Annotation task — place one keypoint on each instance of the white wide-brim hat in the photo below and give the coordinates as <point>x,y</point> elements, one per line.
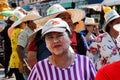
<point>16,23</point>
<point>90,21</point>
<point>56,9</point>
<point>19,21</point>
<point>109,16</point>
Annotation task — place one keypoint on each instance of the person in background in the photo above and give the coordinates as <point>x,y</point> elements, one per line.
<point>37,50</point>
<point>17,26</point>
<point>23,40</point>
<point>62,64</point>
<point>91,30</point>
<point>106,47</point>
<point>7,46</point>
<point>78,42</point>
<point>110,71</point>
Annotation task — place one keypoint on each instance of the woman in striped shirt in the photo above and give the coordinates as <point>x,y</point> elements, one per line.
<point>62,64</point>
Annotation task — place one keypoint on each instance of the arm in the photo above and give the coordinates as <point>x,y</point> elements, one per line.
<point>24,67</point>
<point>20,51</point>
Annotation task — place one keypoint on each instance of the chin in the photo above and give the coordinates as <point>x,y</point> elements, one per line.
<point>57,52</point>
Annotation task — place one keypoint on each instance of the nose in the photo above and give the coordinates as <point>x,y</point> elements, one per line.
<point>55,40</point>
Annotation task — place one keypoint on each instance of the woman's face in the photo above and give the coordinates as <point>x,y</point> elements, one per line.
<point>23,25</point>
<point>57,43</point>
<point>66,17</point>
<point>112,30</point>
<point>90,28</point>
<point>32,25</point>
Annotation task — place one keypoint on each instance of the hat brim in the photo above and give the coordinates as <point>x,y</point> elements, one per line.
<point>95,24</point>
<point>16,23</point>
<point>105,25</point>
<point>76,15</point>
<point>32,36</point>
<point>30,17</point>
<point>54,29</point>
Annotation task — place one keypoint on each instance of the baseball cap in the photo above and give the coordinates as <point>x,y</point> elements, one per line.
<point>55,25</point>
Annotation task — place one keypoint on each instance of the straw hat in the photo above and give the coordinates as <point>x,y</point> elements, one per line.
<point>90,21</point>
<point>53,11</point>
<point>31,16</point>
<point>33,35</point>
<point>109,16</point>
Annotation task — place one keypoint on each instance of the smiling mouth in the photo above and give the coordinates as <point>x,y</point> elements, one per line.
<point>56,46</point>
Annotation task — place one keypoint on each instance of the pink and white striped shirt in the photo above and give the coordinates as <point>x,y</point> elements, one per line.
<point>81,69</point>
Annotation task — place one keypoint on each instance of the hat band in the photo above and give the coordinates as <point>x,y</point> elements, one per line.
<point>110,18</point>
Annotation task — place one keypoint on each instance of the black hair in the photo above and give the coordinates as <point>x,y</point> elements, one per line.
<point>107,29</point>
<point>38,39</point>
<point>9,21</point>
<point>69,34</point>
<point>13,5</point>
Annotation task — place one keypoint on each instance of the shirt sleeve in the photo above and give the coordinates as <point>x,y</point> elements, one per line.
<point>31,46</point>
<point>23,39</point>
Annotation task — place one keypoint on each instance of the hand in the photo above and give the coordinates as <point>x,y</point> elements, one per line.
<point>96,30</point>
<point>88,36</point>
<point>23,68</point>
<point>26,70</point>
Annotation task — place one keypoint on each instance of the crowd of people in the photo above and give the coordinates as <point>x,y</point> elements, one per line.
<point>49,48</point>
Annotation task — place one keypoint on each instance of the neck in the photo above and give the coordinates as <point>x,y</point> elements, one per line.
<point>62,61</point>
<point>114,34</point>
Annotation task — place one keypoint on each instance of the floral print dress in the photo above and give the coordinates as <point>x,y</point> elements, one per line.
<point>14,59</point>
<point>104,50</point>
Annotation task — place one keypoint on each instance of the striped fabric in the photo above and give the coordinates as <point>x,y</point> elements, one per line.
<point>81,69</point>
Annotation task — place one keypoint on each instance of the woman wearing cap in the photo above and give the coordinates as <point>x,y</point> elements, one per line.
<point>91,30</point>
<point>78,42</point>
<point>62,64</point>
<point>106,47</point>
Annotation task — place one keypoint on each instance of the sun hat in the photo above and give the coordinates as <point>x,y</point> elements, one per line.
<point>117,27</point>
<point>33,35</point>
<point>18,13</point>
<point>55,25</point>
<point>17,22</point>
<point>54,10</point>
<point>22,18</point>
<point>90,21</point>
<point>109,16</point>
<point>31,16</point>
